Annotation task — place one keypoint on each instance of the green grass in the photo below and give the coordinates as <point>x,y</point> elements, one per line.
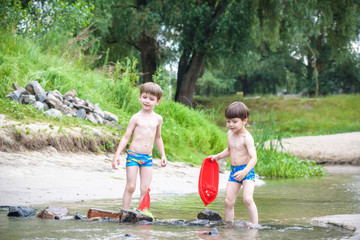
<point>294,116</point>
<point>189,135</point>
<point>274,163</point>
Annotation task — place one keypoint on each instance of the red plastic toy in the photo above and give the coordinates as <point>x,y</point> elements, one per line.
<point>208,181</point>
<point>145,203</point>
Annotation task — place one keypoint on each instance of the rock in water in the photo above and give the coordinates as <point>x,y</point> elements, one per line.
<point>53,213</point>
<point>209,215</point>
<point>130,216</point>
<point>21,212</point>
<point>213,232</point>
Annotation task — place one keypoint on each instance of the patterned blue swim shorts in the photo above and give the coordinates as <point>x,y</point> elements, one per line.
<point>138,159</point>
<point>249,176</point>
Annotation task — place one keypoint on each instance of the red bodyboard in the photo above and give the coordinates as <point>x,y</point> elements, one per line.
<point>208,181</point>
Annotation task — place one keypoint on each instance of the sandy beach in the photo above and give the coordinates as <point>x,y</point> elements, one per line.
<point>30,177</point>
<point>334,149</point>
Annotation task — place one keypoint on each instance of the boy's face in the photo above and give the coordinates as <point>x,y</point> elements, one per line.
<point>148,101</point>
<point>236,124</point>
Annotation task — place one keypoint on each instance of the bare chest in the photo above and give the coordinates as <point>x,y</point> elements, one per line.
<point>237,143</point>
<point>147,124</point>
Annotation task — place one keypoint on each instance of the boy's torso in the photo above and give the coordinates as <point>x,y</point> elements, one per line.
<point>239,154</point>
<point>144,133</point>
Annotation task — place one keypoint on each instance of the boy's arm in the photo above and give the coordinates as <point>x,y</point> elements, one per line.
<point>223,154</point>
<point>124,141</point>
<point>160,144</point>
<point>249,142</point>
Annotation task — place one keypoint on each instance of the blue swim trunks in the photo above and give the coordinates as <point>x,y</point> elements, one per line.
<point>138,159</point>
<point>249,176</point>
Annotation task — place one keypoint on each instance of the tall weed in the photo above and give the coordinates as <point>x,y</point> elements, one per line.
<point>271,161</point>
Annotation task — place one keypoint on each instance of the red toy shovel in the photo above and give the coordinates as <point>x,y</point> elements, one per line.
<point>145,203</point>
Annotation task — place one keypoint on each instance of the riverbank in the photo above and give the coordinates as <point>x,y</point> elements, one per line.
<point>36,177</point>
<point>29,178</point>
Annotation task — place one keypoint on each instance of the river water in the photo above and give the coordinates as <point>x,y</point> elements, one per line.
<point>286,207</point>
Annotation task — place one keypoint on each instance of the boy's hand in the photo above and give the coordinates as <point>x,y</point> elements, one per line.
<point>115,162</point>
<point>213,157</point>
<point>163,161</point>
<point>239,175</point>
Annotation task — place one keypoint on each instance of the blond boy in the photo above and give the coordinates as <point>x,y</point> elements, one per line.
<point>145,128</point>
<point>242,153</point>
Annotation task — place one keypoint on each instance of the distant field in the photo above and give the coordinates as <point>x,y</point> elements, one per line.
<point>293,116</point>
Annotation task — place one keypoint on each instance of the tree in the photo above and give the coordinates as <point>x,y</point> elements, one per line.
<point>326,28</point>
<point>206,33</point>
<point>210,30</point>
<point>132,28</point>
<point>314,36</point>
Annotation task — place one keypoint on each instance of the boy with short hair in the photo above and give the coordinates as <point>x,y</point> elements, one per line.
<point>242,153</point>
<point>145,127</point>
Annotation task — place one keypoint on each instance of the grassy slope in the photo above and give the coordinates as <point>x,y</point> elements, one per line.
<point>187,134</point>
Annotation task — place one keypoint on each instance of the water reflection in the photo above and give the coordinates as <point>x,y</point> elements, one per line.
<point>285,206</point>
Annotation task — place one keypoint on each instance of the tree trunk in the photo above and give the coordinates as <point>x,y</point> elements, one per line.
<point>147,47</point>
<point>191,64</point>
<point>188,73</point>
<point>315,69</point>
<point>244,84</point>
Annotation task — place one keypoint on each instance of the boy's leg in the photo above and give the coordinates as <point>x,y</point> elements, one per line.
<point>131,174</point>
<point>231,192</point>
<point>248,192</point>
<point>145,180</point>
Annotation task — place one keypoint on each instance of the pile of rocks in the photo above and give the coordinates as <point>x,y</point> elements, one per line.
<point>55,104</point>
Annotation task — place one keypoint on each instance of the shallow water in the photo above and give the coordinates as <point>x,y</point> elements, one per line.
<point>286,207</point>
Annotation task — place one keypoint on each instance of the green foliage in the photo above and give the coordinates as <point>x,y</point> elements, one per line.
<point>40,18</point>
<point>209,83</point>
<point>279,34</point>
<point>340,77</point>
<point>271,161</point>
<point>15,109</point>
<point>11,14</point>
<point>164,79</point>
<point>188,135</point>
<point>189,131</point>
<point>125,25</point>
